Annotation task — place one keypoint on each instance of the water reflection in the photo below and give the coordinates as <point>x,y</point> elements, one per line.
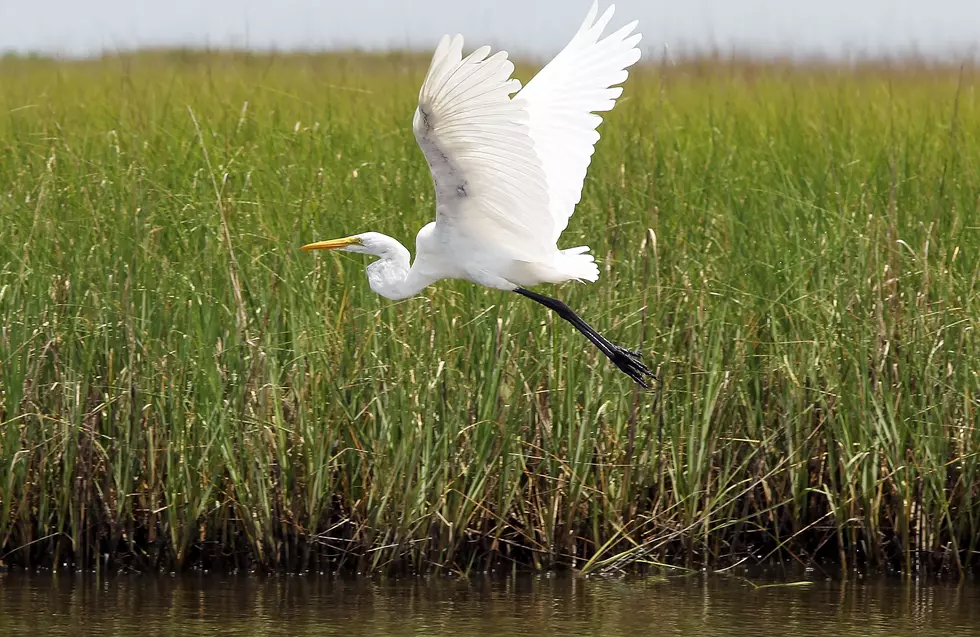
<point>149,605</point>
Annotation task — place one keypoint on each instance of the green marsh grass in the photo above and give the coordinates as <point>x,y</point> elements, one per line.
<point>795,247</point>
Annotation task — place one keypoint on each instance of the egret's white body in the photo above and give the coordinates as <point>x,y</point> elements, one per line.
<point>508,171</point>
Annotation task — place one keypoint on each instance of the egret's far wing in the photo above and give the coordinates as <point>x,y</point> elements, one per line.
<point>489,183</point>
<point>562,100</point>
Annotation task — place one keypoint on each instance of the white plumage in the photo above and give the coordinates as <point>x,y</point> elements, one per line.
<point>511,169</point>
<point>508,166</point>
<point>562,101</point>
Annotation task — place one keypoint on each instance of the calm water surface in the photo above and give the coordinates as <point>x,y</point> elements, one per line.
<point>71,604</point>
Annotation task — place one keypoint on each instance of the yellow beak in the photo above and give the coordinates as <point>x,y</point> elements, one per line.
<point>333,244</point>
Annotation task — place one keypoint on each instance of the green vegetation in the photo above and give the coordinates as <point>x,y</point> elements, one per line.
<point>181,387</point>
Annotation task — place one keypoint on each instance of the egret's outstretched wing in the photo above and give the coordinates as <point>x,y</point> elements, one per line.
<point>489,183</point>
<point>562,99</point>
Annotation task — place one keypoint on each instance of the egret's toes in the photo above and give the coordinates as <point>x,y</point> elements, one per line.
<point>628,361</point>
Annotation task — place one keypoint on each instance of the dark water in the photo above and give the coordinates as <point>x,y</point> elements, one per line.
<point>702,606</point>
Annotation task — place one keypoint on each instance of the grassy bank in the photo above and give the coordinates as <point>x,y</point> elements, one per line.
<point>181,387</point>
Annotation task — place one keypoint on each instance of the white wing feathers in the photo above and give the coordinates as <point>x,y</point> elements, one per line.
<point>562,98</point>
<point>510,170</point>
<point>489,183</point>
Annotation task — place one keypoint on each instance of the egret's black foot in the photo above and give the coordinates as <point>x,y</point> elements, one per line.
<point>628,361</point>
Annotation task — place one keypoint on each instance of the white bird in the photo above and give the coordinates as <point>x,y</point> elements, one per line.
<point>508,172</point>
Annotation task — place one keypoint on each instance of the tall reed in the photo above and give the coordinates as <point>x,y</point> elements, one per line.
<point>795,247</point>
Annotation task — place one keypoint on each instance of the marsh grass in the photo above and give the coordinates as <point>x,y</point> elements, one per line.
<point>796,248</point>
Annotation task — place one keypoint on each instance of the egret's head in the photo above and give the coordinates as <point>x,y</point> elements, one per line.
<point>388,274</point>
<point>366,243</point>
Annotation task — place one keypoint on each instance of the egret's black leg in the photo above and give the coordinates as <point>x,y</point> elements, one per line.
<point>626,360</point>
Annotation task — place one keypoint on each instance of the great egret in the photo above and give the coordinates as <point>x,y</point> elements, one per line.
<point>508,172</point>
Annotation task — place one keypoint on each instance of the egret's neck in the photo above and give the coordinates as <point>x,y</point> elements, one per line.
<point>391,275</point>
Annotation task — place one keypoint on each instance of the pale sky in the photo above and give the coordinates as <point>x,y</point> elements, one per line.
<point>936,28</point>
